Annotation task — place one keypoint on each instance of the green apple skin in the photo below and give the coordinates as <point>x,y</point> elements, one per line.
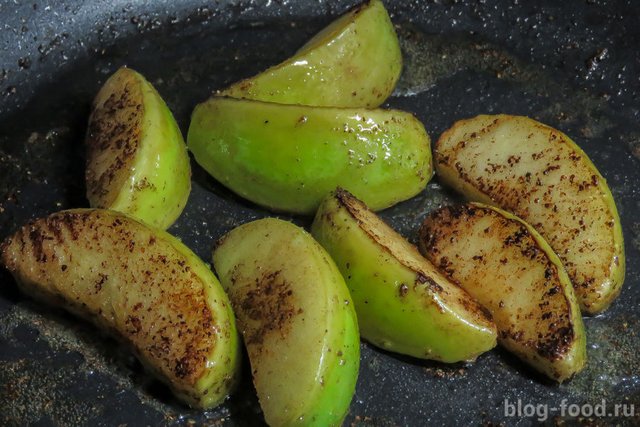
<point>137,161</point>
<point>354,62</point>
<point>297,320</point>
<point>289,157</point>
<point>403,303</point>
<point>140,284</point>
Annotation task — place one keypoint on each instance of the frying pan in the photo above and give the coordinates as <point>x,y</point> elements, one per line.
<point>574,65</point>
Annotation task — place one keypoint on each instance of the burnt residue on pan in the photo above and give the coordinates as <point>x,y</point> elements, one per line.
<point>573,65</point>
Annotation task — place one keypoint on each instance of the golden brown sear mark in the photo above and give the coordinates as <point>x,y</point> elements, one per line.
<point>271,304</point>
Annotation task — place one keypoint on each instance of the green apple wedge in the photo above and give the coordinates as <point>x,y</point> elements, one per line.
<point>288,157</point>
<point>140,284</point>
<point>354,62</point>
<point>297,320</point>
<point>542,176</point>
<point>137,161</point>
<point>403,303</point>
<point>512,271</point>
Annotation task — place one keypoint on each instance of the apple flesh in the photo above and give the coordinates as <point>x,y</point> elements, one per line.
<point>512,271</point>
<point>354,62</point>
<point>404,304</point>
<point>137,161</point>
<point>140,284</point>
<point>289,157</point>
<point>539,174</point>
<point>297,320</point>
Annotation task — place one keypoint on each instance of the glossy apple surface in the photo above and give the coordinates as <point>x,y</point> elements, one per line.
<point>297,320</point>
<point>137,161</point>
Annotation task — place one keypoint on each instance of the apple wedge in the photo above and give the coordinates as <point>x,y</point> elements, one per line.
<point>289,157</point>
<point>139,283</point>
<point>542,176</point>
<point>354,62</point>
<point>403,303</point>
<point>137,162</point>
<point>297,320</point>
<point>512,271</point>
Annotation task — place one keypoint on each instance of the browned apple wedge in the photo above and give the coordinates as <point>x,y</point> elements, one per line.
<point>510,269</point>
<point>541,175</point>
<point>139,283</point>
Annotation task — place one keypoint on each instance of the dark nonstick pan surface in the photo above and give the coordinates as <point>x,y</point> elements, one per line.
<point>574,65</point>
